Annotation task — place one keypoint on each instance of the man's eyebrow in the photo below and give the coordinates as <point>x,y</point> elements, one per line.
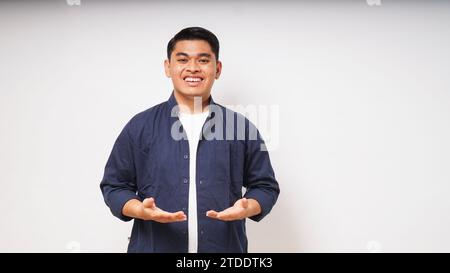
<point>181,54</point>
<point>204,55</point>
<point>199,55</point>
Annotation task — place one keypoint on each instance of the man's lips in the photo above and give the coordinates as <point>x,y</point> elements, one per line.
<point>193,80</point>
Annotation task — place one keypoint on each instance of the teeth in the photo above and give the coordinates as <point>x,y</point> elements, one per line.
<point>190,79</point>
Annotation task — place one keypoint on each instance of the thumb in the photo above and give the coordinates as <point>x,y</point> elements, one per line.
<point>244,203</point>
<point>149,202</point>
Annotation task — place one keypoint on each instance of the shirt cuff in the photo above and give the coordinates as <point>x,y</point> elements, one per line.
<point>265,202</point>
<point>119,201</point>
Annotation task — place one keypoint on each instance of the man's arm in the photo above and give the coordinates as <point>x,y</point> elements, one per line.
<point>259,179</point>
<point>119,186</point>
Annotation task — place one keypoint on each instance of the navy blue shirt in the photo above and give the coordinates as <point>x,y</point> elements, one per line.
<point>150,159</point>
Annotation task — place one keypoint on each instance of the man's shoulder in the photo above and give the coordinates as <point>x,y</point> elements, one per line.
<point>226,111</point>
<point>144,120</point>
<point>148,113</point>
<point>237,116</point>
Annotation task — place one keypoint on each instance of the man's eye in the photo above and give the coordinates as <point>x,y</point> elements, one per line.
<point>182,60</point>
<point>204,61</point>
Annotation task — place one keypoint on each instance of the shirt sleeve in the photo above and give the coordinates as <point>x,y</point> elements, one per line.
<point>118,185</point>
<point>259,178</point>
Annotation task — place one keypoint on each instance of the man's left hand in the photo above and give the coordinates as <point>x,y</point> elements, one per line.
<point>243,208</point>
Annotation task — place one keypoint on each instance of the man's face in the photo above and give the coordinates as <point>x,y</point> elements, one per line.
<point>193,68</point>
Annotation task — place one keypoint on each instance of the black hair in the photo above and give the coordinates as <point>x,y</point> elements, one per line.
<point>194,33</point>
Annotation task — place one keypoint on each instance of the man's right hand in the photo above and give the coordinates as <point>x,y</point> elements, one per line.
<point>147,210</point>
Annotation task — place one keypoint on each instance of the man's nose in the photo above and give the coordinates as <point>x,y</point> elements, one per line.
<point>193,66</point>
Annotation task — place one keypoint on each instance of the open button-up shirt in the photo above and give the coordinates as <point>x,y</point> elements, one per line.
<point>150,158</point>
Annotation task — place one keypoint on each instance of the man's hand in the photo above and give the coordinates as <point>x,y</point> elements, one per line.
<point>147,210</point>
<point>243,208</point>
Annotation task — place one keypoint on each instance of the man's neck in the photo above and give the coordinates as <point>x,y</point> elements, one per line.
<point>192,104</point>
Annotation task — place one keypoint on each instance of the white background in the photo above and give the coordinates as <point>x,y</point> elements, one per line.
<point>363,91</point>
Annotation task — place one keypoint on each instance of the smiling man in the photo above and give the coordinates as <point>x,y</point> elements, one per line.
<point>178,168</point>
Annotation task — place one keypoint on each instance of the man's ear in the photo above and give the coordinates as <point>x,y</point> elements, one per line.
<point>167,68</point>
<point>218,69</point>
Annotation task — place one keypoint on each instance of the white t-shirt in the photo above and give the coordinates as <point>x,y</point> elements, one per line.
<point>193,124</point>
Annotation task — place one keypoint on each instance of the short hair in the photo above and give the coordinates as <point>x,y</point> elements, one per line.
<point>194,33</point>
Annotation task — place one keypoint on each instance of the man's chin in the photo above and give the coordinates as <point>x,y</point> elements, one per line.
<point>193,93</point>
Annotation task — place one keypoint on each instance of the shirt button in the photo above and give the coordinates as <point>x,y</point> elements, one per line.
<point>185,180</point>
<point>200,182</point>
<point>201,231</point>
<point>186,156</point>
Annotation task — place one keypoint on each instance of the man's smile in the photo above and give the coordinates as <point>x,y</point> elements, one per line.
<point>193,80</point>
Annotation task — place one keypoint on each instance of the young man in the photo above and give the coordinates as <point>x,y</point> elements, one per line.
<point>178,168</point>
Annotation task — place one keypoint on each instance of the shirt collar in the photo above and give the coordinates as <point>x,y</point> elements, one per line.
<point>172,102</point>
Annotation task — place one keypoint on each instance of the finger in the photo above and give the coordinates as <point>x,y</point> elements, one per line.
<point>167,217</point>
<point>149,202</point>
<point>179,216</point>
<point>244,203</point>
<point>212,214</point>
<point>227,215</point>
